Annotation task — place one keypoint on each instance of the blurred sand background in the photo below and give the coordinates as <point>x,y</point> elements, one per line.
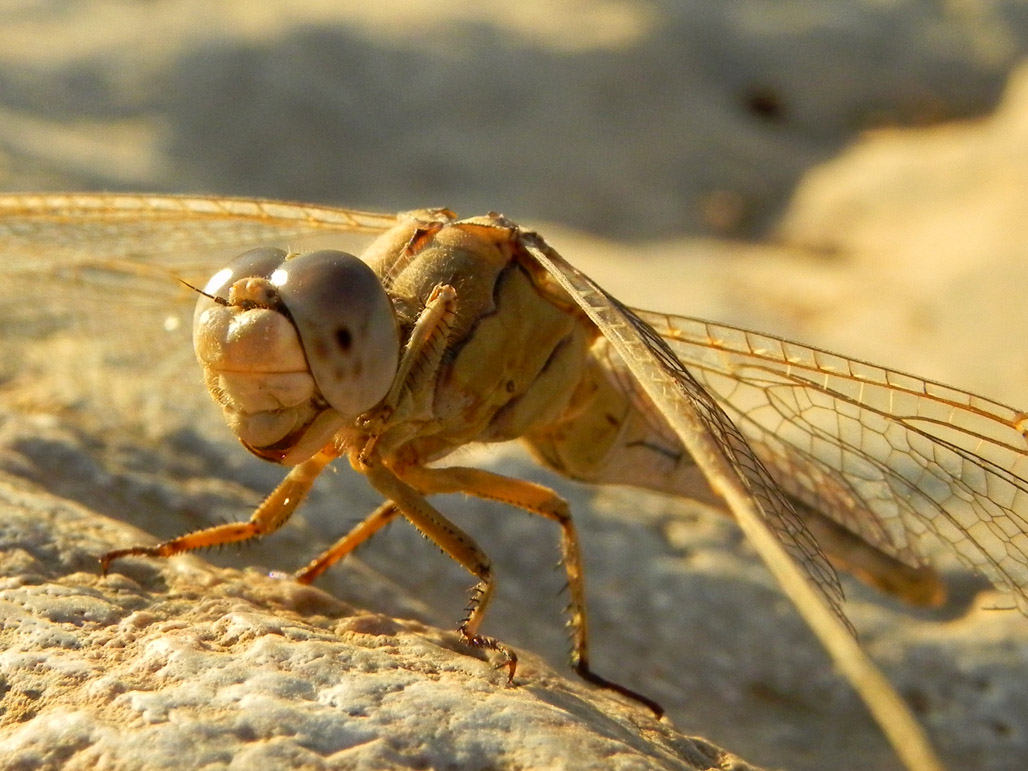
<point>645,123</point>
<point>850,174</point>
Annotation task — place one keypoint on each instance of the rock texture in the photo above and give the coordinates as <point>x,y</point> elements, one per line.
<point>658,122</point>
<point>183,665</point>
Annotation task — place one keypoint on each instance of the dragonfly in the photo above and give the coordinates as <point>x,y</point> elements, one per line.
<point>448,331</point>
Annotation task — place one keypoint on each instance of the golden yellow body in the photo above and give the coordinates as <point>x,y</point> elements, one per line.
<point>820,458</point>
<point>493,349</point>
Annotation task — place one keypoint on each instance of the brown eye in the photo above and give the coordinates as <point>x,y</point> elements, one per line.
<point>346,325</point>
<point>256,263</point>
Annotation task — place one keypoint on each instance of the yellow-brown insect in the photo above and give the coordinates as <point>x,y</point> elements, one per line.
<point>482,333</point>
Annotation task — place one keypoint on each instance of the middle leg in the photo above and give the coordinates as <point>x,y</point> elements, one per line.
<point>409,501</point>
<point>546,503</point>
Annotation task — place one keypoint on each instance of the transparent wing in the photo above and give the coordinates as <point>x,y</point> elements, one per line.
<point>898,460</point>
<point>735,472</point>
<point>653,364</point>
<point>92,312</point>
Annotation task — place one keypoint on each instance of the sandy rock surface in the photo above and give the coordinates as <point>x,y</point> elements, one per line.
<point>183,665</point>
<point>676,129</point>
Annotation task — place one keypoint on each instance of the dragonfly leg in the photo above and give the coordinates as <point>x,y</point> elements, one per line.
<point>452,540</point>
<point>378,519</point>
<point>276,509</point>
<point>418,365</point>
<point>546,503</point>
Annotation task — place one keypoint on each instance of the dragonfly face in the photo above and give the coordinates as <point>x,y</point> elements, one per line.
<point>294,347</point>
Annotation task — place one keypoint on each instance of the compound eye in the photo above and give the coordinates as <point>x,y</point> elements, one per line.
<point>346,325</point>
<point>256,263</point>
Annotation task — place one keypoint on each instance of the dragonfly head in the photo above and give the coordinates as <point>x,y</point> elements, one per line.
<point>293,347</point>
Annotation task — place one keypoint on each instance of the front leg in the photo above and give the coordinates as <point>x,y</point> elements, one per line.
<point>366,528</point>
<point>276,509</point>
<point>418,365</point>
